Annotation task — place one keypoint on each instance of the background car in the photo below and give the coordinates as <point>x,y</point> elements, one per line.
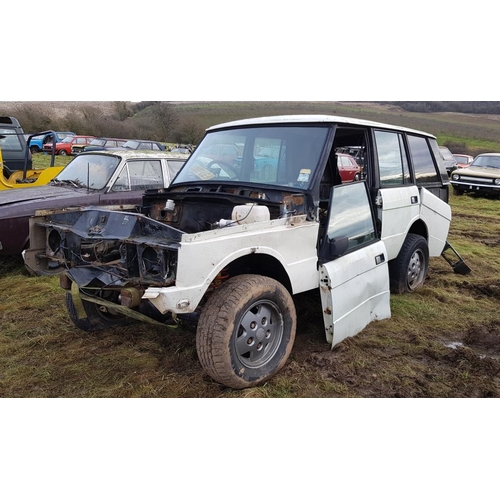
<point>448,159</point>
<point>13,145</point>
<point>482,176</point>
<point>463,161</point>
<point>102,143</point>
<point>146,145</point>
<point>116,178</point>
<point>37,142</point>
<point>348,168</point>
<point>183,150</point>
<point>66,146</point>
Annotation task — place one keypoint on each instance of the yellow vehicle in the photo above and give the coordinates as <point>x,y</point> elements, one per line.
<point>33,177</point>
<point>26,178</point>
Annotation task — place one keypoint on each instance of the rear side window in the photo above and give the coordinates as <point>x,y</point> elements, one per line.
<point>9,139</point>
<point>392,160</point>
<point>139,175</point>
<point>423,163</point>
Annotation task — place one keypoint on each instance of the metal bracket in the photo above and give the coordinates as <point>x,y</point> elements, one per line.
<point>458,266</point>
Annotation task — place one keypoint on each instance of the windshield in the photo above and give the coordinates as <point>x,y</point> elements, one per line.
<point>131,145</point>
<point>486,161</point>
<point>98,142</point>
<point>68,139</point>
<point>284,156</point>
<point>89,171</point>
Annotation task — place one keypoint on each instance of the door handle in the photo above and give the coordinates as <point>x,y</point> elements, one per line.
<point>414,200</point>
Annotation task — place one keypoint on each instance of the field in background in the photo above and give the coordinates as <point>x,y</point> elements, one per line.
<point>463,133</point>
<point>442,341</point>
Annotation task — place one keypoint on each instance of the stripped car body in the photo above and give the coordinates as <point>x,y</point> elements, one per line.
<point>235,241</point>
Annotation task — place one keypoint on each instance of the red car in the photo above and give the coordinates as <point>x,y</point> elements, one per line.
<point>463,161</point>
<point>349,170</point>
<point>65,147</point>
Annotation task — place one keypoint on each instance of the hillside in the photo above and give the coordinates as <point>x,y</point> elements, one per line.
<point>467,132</point>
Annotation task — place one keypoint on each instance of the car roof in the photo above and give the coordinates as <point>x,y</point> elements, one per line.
<point>489,154</point>
<point>134,153</point>
<point>297,119</point>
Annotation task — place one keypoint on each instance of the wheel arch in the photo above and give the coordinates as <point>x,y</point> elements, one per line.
<point>419,227</point>
<point>261,264</point>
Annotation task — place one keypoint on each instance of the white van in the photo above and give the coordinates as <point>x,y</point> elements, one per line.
<point>238,234</point>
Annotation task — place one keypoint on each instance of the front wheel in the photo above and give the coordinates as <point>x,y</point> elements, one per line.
<point>62,152</point>
<point>409,270</point>
<point>246,331</point>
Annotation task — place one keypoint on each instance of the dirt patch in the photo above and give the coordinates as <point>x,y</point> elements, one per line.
<point>484,337</point>
<point>485,289</point>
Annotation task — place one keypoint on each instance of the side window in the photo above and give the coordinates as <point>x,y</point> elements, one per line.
<point>392,161</point>
<point>10,140</point>
<point>423,164</point>
<point>140,175</point>
<point>351,216</point>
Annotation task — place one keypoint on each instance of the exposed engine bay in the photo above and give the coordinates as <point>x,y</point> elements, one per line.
<point>140,248</point>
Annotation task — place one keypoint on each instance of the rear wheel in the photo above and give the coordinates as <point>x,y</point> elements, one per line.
<point>246,331</point>
<point>99,317</point>
<point>409,270</point>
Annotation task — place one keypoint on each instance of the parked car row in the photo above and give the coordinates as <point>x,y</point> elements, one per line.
<point>76,144</point>
<point>69,145</point>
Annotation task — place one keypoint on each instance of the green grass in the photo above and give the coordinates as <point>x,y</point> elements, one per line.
<point>42,160</point>
<point>43,355</point>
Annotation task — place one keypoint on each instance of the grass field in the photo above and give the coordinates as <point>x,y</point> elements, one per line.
<point>442,341</point>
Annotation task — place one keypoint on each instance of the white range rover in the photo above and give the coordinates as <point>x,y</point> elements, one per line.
<point>257,215</point>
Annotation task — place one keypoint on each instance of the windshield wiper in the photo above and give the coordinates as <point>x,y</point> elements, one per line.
<point>66,181</point>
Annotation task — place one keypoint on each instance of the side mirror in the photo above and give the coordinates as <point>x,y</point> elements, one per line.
<point>338,246</point>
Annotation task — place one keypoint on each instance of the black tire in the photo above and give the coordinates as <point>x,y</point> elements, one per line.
<point>246,331</point>
<point>34,149</point>
<point>409,270</point>
<point>98,317</point>
<point>62,152</point>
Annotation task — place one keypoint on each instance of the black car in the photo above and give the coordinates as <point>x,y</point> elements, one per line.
<point>13,145</point>
<point>450,162</point>
<point>103,143</point>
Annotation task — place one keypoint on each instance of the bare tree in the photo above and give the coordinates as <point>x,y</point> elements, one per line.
<point>165,118</point>
<point>191,132</point>
<point>122,110</point>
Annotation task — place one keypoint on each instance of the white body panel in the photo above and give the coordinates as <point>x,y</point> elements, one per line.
<point>437,216</point>
<point>400,209</point>
<point>202,256</point>
<point>354,292</point>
